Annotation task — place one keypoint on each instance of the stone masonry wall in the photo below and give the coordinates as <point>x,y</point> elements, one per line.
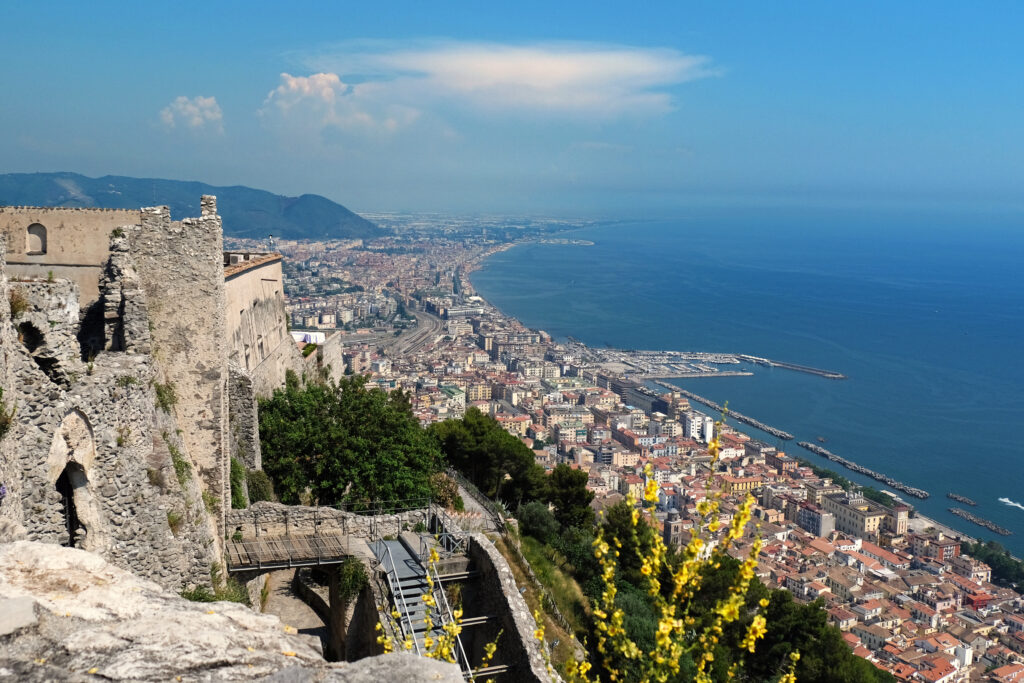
<point>497,595</point>
<point>11,511</point>
<point>180,267</point>
<point>96,423</point>
<point>77,243</point>
<point>275,519</point>
<point>243,419</point>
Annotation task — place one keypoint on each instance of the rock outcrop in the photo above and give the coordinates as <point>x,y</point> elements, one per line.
<point>68,614</point>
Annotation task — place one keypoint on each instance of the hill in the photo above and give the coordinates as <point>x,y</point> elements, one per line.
<point>246,212</point>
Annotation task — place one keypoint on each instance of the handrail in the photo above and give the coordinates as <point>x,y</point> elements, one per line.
<point>396,590</point>
<point>460,652</point>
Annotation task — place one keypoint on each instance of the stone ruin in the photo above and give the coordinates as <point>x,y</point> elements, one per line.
<point>115,419</point>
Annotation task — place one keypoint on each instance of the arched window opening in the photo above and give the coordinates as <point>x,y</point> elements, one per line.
<point>36,243</point>
<point>71,479</point>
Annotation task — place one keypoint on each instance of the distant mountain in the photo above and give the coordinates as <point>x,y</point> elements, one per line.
<point>246,212</point>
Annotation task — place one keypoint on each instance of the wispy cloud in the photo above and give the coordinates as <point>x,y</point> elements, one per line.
<point>566,79</point>
<point>195,113</point>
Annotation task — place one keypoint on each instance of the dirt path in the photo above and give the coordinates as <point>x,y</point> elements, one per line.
<point>284,603</point>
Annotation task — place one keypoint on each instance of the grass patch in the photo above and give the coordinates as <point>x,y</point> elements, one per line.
<point>125,381</point>
<point>182,469</point>
<point>564,651</point>
<point>308,350</point>
<point>166,397</point>
<point>211,503</point>
<point>567,594</point>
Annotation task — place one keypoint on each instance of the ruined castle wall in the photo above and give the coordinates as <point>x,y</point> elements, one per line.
<point>11,510</point>
<point>180,268</point>
<point>257,322</point>
<point>73,243</point>
<point>243,418</point>
<point>95,425</point>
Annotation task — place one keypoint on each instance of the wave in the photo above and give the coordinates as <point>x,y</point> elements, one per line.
<point>1011,503</point>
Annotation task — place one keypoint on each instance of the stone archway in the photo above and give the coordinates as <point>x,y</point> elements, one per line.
<point>71,458</point>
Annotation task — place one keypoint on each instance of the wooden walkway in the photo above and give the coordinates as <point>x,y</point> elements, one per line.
<point>279,552</point>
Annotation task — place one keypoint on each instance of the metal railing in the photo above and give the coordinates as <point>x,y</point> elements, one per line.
<point>447,617</point>
<point>399,596</point>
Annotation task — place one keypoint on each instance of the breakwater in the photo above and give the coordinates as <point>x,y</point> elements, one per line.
<point>860,469</point>
<point>980,521</point>
<point>961,499</point>
<point>768,362</point>
<point>778,433</point>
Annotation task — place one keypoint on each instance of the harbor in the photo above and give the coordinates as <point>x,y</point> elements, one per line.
<point>860,469</point>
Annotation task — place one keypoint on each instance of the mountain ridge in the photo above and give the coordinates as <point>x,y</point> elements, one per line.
<point>247,212</point>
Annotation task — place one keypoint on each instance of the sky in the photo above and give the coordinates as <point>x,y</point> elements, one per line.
<point>568,108</point>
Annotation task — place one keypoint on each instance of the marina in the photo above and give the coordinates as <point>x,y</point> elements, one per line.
<point>980,521</point>
<point>860,469</point>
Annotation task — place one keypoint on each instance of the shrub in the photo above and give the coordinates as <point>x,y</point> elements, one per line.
<point>156,478</point>
<point>166,398</point>
<point>18,301</point>
<point>238,497</point>
<point>117,232</point>
<point>536,520</point>
<point>6,415</point>
<point>308,350</point>
<point>260,486</point>
<point>351,579</point>
<point>211,503</point>
<point>174,520</point>
<point>125,381</point>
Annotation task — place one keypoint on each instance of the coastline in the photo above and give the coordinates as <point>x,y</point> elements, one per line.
<point>919,521</point>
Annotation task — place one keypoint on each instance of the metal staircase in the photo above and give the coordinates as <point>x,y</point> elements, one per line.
<point>406,574</point>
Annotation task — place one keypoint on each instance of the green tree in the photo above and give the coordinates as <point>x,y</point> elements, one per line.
<point>495,461</point>
<point>536,520</point>
<point>569,494</point>
<point>345,443</point>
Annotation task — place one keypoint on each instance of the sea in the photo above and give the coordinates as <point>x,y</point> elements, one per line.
<point>923,311</point>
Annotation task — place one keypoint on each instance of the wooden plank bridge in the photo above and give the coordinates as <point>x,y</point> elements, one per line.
<point>283,552</point>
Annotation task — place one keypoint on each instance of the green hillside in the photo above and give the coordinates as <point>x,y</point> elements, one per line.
<point>246,212</point>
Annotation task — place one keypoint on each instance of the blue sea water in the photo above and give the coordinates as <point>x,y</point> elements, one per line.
<point>923,313</point>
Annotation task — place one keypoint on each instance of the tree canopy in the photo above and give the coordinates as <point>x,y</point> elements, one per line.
<point>345,443</point>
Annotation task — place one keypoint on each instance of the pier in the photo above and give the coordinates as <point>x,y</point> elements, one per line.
<point>740,417</point>
<point>827,374</point>
<point>860,469</point>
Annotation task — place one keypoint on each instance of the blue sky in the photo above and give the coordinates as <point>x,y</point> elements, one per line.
<point>582,108</point>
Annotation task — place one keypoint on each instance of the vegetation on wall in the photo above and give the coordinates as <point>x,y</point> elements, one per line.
<point>239,499</point>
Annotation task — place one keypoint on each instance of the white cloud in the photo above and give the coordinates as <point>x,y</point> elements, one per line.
<point>323,100</point>
<point>196,113</point>
<point>575,80</point>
